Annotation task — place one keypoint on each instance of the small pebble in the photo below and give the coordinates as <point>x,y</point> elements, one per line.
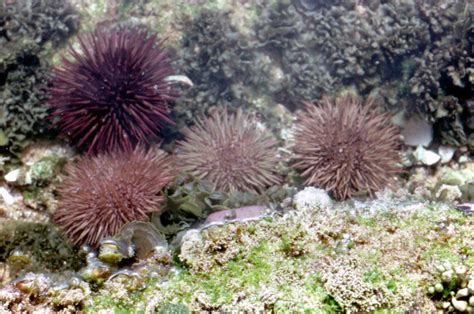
<point>461,270</point>
<point>470,286</point>
<point>12,176</point>
<point>462,293</point>
<point>440,268</point>
<point>439,287</point>
<point>447,275</point>
<point>459,305</point>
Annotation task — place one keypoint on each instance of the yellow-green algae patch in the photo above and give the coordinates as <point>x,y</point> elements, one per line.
<point>310,261</point>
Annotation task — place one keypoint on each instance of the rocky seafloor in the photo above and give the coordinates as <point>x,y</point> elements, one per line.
<point>402,251</point>
<point>407,248</point>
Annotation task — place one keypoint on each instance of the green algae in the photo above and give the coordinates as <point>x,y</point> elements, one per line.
<point>46,170</point>
<point>42,244</point>
<point>248,272</point>
<point>248,265</point>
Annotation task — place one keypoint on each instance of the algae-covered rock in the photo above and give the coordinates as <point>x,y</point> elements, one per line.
<point>448,193</point>
<point>36,178</point>
<point>39,173</point>
<point>460,182</point>
<point>170,308</point>
<point>45,170</point>
<point>312,198</point>
<point>215,243</point>
<point>36,246</point>
<point>44,293</point>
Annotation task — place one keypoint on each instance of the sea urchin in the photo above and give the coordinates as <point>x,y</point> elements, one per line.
<point>345,146</point>
<point>112,93</point>
<point>102,193</point>
<point>230,151</point>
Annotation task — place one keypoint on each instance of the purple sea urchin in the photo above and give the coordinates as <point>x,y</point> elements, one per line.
<point>102,193</point>
<point>345,146</point>
<point>112,93</point>
<point>230,151</point>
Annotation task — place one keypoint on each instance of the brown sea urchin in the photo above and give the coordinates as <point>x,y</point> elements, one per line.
<point>112,93</point>
<point>230,151</point>
<point>345,146</point>
<point>102,193</point>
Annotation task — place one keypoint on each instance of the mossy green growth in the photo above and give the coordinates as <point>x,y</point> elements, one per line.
<point>45,170</point>
<point>253,265</point>
<point>172,308</point>
<point>42,244</point>
<point>37,181</point>
<point>117,306</point>
<point>247,272</point>
<point>252,271</point>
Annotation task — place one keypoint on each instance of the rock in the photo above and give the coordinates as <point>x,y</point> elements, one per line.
<point>471,300</point>
<point>468,191</point>
<point>12,176</point>
<point>448,193</point>
<point>456,177</point>
<point>447,276</point>
<point>461,271</point>
<point>447,266</point>
<point>445,305</point>
<point>426,157</point>
<point>8,199</point>
<point>44,170</point>
<point>440,268</point>
<point>459,305</point>
<point>462,293</point>
<point>190,244</point>
<point>470,286</point>
<point>311,198</point>
<point>9,294</point>
<point>446,153</point>
<point>439,287</point>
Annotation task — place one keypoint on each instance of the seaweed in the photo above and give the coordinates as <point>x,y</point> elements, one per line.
<point>28,31</point>
<point>410,54</point>
<point>213,55</point>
